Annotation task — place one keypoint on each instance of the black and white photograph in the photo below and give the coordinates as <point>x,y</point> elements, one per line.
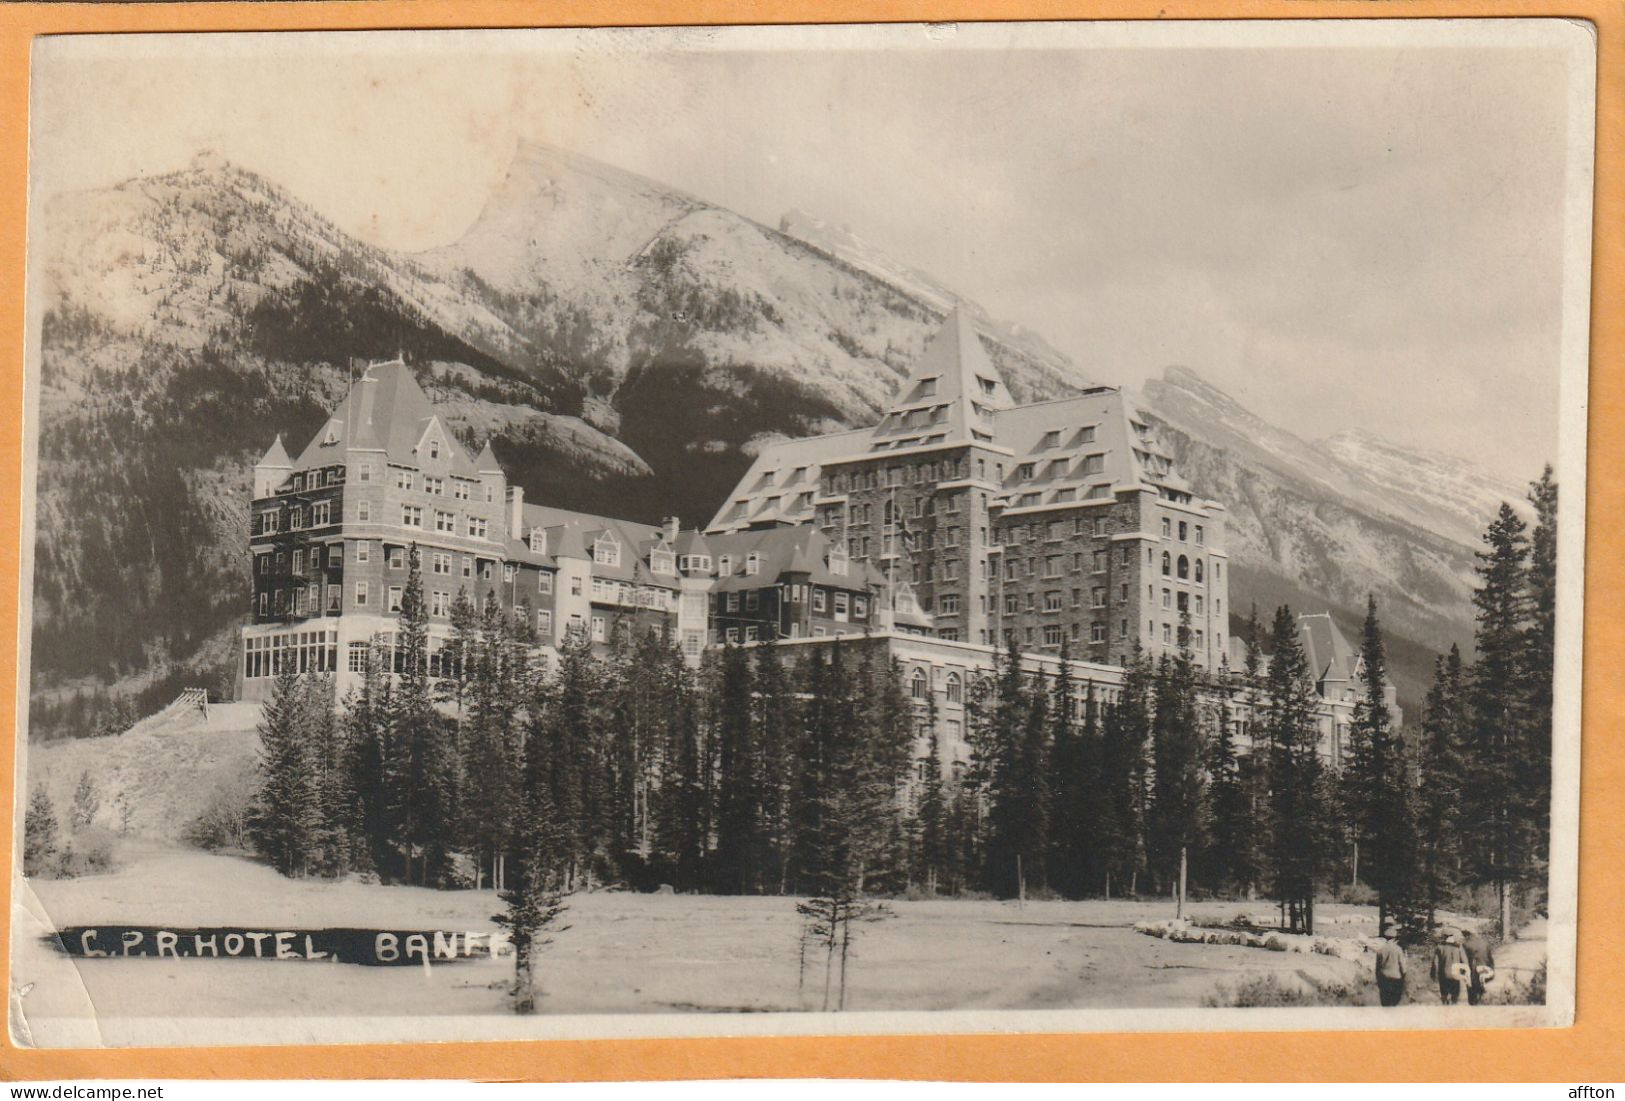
<point>948,528</point>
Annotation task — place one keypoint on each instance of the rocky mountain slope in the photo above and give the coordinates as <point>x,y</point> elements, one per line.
<point>622,344</point>
<point>1322,524</point>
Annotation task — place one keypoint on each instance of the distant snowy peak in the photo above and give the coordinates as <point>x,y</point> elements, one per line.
<point>1449,482</point>
<point>847,247</point>
<point>841,243</point>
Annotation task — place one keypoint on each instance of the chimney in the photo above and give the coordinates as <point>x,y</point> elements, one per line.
<point>516,511</point>
<point>674,526</point>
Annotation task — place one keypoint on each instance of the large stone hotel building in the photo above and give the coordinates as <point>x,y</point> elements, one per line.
<point>959,525</point>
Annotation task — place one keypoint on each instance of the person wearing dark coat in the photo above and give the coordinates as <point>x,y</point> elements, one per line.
<point>1481,961</point>
<point>1390,969</point>
<point>1450,968</point>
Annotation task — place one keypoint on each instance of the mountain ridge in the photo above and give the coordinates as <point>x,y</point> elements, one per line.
<point>625,347</point>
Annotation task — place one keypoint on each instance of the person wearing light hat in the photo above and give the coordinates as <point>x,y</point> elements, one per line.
<point>1450,968</point>
<point>1390,968</point>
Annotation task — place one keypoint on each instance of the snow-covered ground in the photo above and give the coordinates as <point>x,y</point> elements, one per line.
<point>622,952</point>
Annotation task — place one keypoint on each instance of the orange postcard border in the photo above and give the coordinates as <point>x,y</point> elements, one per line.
<point>1592,1049</point>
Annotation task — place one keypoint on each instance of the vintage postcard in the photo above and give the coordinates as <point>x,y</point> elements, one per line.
<point>849,529</point>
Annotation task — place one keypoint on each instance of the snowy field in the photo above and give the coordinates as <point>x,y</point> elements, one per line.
<point>623,953</point>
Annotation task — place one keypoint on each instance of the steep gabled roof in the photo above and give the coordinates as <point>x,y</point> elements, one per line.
<point>1328,650</point>
<point>949,397</point>
<point>386,410</point>
<point>780,485</point>
<point>573,534</point>
<point>786,550</point>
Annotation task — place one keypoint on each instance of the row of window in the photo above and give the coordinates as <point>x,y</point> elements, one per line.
<point>475,527</point>
<point>1183,568</point>
<point>301,652</point>
<point>1059,468</point>
<point>294,518</point>
<point>1052,531</point>
<point>1055,565</point>
<point>822,601</point>
<point>1184,529</point>
<point>462,489</point>
<point>318,479</point>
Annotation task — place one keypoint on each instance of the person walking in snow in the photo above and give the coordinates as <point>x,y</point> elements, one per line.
<point>1450,968</point>
<point>1390,969</point>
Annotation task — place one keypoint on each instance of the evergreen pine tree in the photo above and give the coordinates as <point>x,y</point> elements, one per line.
<point>833,798</point>
<point>40,850</point>
<point>1232,860</point>
<point>488,655</point>
<point>86,801</point>
<point>1439,817</point>
<point>1069,794</point>
<point>1014,812</point>
<point>535,900</point>
<point>931,866</point>
<point>285,819</point>
<point>1541,658</point>
<point>368,741</point>
<point>1377,786</point>
<point>421,771</point>
<point>459,659</point>
<point>564,761</point>
<point>887,723</point>
<point>775,726</point>
<point>738,845</point>
<point>1296,784</point>
<point>1176,818</point>
<point>331,843</point>
<point>1125,730</point>
<point>1498,820</point>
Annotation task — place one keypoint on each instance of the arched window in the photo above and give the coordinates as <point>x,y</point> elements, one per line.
<point>917,684</point>
<point>1184,567</point>
<point>1198,569</point>
<point>956,693</point>
<point>1218,572</point>
<point>1165,562</point>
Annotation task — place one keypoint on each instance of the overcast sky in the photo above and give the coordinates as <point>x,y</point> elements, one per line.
<point>1364,236</point>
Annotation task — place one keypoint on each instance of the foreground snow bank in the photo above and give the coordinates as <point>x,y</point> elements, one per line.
<point>1176,929</point>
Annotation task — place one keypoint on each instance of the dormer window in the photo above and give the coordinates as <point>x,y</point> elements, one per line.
<point>753,563</point>
<point>538,541</point>
<point>988,385</point>
<point>1052,438</point>
<point>838,562</point>
<point>661,562</point>
<point>332,436</point>
<point>606,551</point>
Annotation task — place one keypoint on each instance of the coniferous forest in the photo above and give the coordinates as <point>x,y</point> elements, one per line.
<point>823,777</point>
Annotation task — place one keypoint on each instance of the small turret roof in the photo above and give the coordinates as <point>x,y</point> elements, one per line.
<point>276,456</point>
<point>486,461</point>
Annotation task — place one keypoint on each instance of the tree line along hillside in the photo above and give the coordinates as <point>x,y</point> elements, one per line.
<point>754,775</point>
